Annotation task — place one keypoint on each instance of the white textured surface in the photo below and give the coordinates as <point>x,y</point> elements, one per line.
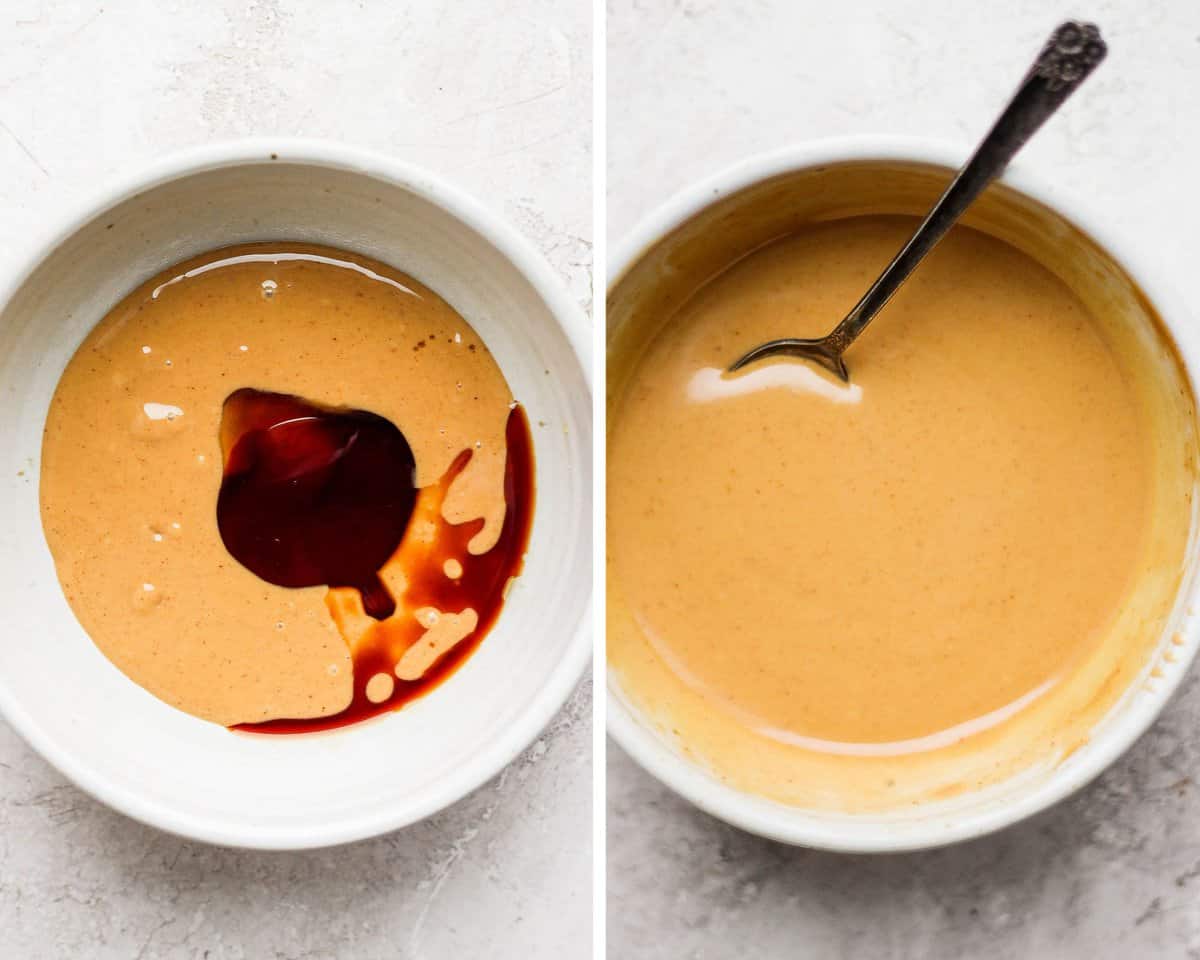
<point>697,84</point>
<point>498,101</point>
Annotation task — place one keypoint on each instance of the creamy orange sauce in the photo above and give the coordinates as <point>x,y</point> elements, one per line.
<point>811,583</point>
<point>131,467</point>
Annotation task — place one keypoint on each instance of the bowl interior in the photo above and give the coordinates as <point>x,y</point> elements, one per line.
<point>196,778</point>
<point>748,208</point>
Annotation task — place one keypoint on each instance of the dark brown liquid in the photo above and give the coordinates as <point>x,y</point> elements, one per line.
<point>481,587</point>
<point>313,495</point>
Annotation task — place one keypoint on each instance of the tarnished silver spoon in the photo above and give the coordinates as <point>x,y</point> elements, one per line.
<point>1072,52</point>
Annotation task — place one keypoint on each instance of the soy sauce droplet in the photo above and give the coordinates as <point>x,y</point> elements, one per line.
<point>313,494</point>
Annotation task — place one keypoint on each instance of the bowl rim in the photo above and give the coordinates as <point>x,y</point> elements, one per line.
<point>876,834</point>
<point>529,262</point>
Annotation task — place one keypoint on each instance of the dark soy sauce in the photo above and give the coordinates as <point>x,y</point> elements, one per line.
<point>313,495</point>
<point>481,586</point>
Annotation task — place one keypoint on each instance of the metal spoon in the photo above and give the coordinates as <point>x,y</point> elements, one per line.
<point>1072,52</point>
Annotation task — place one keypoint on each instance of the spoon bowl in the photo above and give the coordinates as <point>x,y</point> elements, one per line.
<point>820,351</point>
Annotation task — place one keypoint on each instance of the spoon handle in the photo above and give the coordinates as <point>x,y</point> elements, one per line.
<point>1072,52</point>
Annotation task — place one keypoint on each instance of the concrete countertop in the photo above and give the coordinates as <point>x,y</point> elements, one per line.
<point>694,85</point>
<point>499,102</point>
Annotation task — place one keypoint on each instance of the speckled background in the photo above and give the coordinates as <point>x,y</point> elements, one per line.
<point>697,84</point>
<point>496,97</point>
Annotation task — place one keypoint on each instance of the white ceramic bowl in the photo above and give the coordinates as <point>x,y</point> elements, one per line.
<point>197,779</point>
<point>971,814</point>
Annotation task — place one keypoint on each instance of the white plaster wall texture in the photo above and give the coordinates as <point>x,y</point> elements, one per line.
<point>495,96</point>
<point>694,85</point>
